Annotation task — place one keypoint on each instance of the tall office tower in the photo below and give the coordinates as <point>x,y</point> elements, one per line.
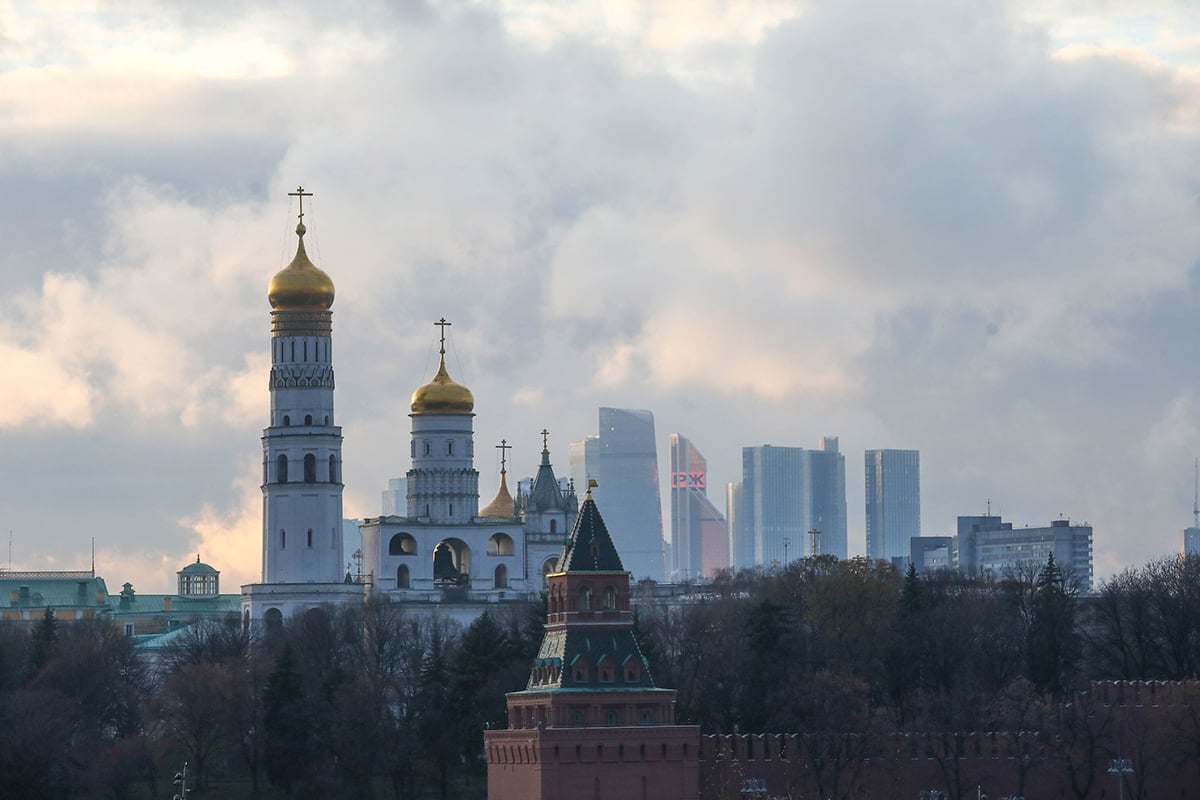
<point>741,540</point>
<point>788,492</point>
<point>579,455</point>
<point>827,494</point>
<point>893,503</point>
<point>623,459</point>
<point>699,538</point>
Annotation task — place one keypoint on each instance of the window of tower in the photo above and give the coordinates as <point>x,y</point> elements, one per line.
<point>610,599</point>
<point>281,469</point>
<point>553,526</point>
<point>412,449</point>
<point>333,469</point>
<point>326,419</point>
<point>310,538</point>
<point>450,447</point>
<point>585,599</point>
<point>402,579</point>
<point>501,577</point>
<point>428,448</point>
<point>310,468</point>
<point>286,420</point>
<point>282,539</point>
<point>308,419</point>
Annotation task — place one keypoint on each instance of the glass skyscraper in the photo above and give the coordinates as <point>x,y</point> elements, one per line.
<point>893,500</point>
<point>786,493</point>
<point>623,459</point>
<point>699,538</point>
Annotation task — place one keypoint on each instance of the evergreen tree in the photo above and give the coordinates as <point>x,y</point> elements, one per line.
<point>1053,645</point>
<point>287,753</point>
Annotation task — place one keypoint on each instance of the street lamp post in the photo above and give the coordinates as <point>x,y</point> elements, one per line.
<point>1120,767</point>
<point>181,782</point>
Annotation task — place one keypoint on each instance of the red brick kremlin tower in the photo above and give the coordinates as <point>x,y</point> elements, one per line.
<point>591,724</point>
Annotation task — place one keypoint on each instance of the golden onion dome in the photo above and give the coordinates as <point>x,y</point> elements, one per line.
<point>502,505</point>
<point>442,395</point>
<point>301,285</point>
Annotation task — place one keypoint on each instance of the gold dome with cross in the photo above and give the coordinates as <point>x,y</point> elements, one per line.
<point>442,395</point>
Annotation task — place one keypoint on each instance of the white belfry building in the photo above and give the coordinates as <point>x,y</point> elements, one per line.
<point>302,452</point>
<point>444,552</point>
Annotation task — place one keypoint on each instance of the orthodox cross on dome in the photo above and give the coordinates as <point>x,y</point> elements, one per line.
<point>441,323</point>
<point>503,447</point>
<point>300,193</point>
<point>545,441</point>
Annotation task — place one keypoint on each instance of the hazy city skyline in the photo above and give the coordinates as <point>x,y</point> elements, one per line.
<point>963,230</point>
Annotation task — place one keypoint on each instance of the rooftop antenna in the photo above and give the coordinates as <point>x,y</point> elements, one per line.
<point>989,507</point>
<point>816,536</point>
<point>93,556</point>
<point>1196,500</point>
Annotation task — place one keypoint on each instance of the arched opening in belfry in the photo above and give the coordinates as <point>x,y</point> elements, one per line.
<point>402,544</point>
<point>333,477</point>
<point>501,544</point>
<point>550,565</point>
<point>451,563</point>
<point>310,468</point>
<point>281,469</point>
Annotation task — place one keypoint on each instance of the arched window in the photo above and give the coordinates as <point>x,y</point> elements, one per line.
<point>501,577</point>
<point>310,538</point>
<point>501,544</point>
<point>402,581</point>
<point>402,544</point>
<point>428,449</point>
<point>308,419</point>
<point>333,469</point>
<point>553,526</point>
<point>610,599</point>
<point>282,539</point>
<point>274,619</point>
<point>585,599</point>
<point>286,420</point>
<point>281,469</point>
<point>310,468</point>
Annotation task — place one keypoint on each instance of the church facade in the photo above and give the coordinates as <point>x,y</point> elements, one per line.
<point>444,551</point>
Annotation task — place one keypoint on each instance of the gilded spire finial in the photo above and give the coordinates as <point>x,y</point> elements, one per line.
<point>441,323</point>
<point>503,447</point>
<point>300,193</point>
<point>592,484</point>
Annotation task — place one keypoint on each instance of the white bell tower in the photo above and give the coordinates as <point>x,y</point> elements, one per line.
<point>302,447</point>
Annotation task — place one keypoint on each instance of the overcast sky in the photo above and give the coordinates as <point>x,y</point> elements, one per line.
<point>967,228</point>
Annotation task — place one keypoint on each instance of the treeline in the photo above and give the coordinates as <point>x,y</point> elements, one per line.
<point>376,701</point>
<point>842,645</point>
<point>356,702</point>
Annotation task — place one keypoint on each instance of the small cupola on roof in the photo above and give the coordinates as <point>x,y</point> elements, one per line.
<point>503,505</point>
<point>199,579</point>
<point>442,395</point>
<point>301,285</point>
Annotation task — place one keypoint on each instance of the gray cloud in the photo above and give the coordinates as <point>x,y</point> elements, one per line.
<point>924,226</point>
